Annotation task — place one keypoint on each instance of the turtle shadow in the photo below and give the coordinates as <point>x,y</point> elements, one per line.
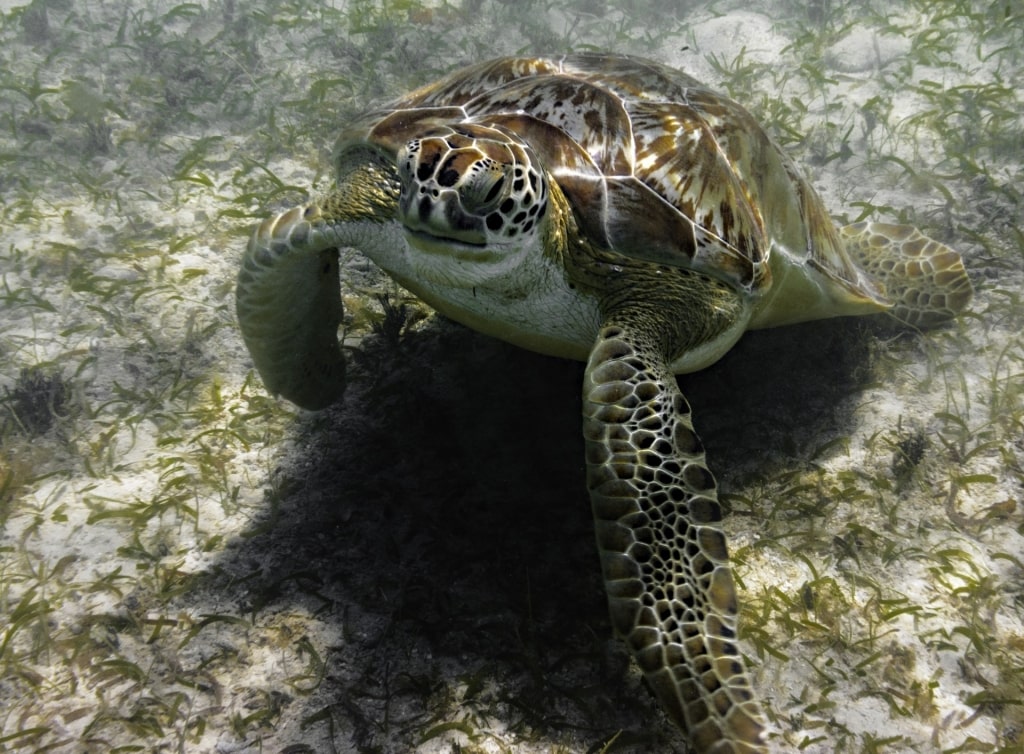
<point>435,527</point>
<point>779,394</point>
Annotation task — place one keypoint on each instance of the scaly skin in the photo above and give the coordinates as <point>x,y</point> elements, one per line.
<point>925,280</point>
<point>669,585</point>
<point>664,557</point>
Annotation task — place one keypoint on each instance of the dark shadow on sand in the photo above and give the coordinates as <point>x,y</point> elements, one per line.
<point>438,518</point>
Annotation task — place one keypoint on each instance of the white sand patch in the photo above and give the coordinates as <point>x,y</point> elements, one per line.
<point>864,50</point>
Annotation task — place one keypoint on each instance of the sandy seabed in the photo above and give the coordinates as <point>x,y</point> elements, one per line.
<point>187,564</point>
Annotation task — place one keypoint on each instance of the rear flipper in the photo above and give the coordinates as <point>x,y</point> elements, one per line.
<point>925,280</point>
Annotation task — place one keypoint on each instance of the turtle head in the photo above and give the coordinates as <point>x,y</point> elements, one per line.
<point>472,191</point>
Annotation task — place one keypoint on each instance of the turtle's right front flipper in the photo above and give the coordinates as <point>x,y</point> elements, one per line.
<point>288,299</point>
<point>289,308</point>
<point>666,570</point>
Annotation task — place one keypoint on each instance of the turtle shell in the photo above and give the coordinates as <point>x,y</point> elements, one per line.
<point>655,165</point>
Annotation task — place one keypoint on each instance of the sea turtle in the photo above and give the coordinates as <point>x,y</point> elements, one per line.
<point>613,210</point>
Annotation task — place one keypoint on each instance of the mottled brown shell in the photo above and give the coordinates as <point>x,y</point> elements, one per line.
<point>655,165</point>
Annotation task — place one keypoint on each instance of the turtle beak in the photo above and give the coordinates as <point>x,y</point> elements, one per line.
<point>436,212</point>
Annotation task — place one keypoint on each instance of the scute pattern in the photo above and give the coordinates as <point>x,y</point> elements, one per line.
<point>665,562</point>
<point>584,112</point>
<point>679,157</point>
<point>633,143</point>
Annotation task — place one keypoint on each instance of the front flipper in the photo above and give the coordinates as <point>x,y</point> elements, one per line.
<point>288,299</point>
<point>666,571</point>
<point>289,308</point>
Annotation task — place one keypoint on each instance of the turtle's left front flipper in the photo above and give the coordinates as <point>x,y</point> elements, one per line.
<point>666,570</point>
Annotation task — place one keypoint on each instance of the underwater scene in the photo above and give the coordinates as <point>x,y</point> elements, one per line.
<point>189,563</point>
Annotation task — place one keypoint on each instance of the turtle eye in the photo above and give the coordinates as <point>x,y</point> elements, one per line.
<point>484,187</point>
<point>495,191</point>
